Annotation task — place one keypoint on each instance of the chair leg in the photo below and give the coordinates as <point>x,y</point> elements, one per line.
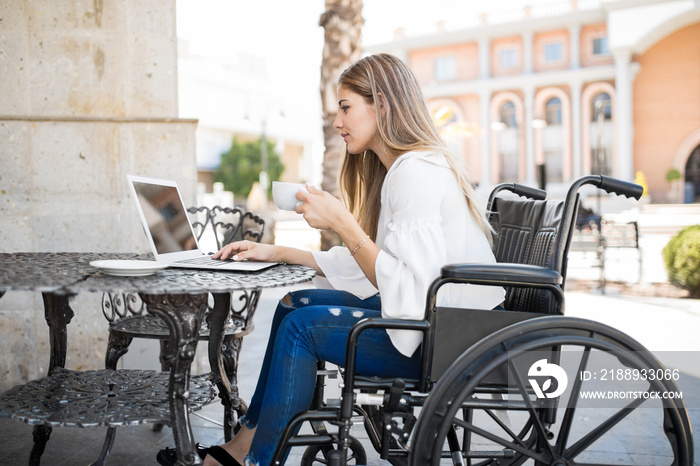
<point>164,365</point>
<point>230,352</point>
<point>106,447</point>
<point>117,346</point>
<point>41,436</point>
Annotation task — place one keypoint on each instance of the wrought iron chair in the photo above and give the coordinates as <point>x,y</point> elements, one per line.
<point>472,380</point>
<point>221,225</point>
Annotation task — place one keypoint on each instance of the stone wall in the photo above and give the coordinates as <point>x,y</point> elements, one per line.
<point>89,94</point>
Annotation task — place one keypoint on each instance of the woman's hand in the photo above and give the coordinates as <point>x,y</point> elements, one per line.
<point>242,250</point>
<point>322,210</point>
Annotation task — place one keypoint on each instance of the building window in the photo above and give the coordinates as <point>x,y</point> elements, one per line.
<point>552,110</point>
<point>508,114</point>
<point>553,52</point>
<point>601,102</point>
<point>445,68</point>
<point>600,46</point>
<point>509,58</point>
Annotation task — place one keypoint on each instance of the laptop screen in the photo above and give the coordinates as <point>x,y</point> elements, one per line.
<point>166,217</point>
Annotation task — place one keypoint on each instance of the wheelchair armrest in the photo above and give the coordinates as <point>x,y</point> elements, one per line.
<point>377,322</point>
<point>502,274</point>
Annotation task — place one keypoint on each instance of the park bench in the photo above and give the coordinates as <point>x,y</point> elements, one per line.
<point>591,240</point>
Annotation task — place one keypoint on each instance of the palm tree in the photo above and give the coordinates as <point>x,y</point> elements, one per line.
<point>342,23</point>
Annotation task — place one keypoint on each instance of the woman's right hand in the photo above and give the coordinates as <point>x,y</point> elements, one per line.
<point>247,250</point>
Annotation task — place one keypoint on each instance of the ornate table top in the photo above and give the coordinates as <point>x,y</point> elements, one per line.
<point>69,273</point>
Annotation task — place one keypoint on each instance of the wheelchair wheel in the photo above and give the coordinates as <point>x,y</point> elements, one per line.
<point>555,419</point>
<point>316,454</point>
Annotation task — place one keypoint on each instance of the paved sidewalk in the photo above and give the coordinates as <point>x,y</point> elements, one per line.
<point>661,324</point>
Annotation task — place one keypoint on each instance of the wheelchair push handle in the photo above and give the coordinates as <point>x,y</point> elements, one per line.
<point>610,185</point>
<point>619,187</point>
<point>519,189</point>
<point>527,191</point>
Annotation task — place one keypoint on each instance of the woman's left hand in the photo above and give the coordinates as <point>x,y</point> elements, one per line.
<point>322,210</point>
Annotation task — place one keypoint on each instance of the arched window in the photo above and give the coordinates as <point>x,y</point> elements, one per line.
<point>601,102</point>
<point>552,110</point>
<point>692,175</point>
<point>508,114</point>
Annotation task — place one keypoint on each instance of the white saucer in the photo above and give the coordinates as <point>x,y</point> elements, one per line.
<point>128,268</point>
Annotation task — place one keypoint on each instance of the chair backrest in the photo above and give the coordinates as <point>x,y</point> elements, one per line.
<point>214,227</point>
<point>218,226</point>
<point>533,232</point>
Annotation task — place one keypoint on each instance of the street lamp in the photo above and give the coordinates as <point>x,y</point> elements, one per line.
<point>264,176</point>
<point>539,123</point>
<point>600,120</point>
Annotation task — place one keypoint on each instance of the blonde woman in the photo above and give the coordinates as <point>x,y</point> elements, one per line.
<point>409,210</point>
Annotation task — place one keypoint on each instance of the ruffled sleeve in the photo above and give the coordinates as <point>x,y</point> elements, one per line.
<point>342,272</point>
<point>414,248</point>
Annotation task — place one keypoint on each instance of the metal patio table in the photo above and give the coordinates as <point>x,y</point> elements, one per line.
<point>126,397</point>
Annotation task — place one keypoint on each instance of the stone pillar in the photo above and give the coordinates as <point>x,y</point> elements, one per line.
<point>575,46</point>
<point>624,125</point>
<point>89,94</point>
<point>484,58</point>
<point>530,178</point>
<point>527,52</point>
<point>576,128</point>
<point>484,116</point>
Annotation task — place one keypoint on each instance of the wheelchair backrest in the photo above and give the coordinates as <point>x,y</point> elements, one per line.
<point>528,232</point>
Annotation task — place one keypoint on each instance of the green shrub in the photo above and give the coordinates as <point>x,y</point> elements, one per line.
<point>682,257</point>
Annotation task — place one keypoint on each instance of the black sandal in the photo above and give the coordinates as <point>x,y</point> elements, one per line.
<point>168,456</point>
<point>222,456</point>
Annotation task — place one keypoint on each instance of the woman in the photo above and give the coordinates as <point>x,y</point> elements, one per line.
<point>410,210</point>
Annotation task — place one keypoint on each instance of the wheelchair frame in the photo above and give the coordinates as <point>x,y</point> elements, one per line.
<point>392,426</point>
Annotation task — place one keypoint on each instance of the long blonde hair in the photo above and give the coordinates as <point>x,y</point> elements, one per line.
<point>404,125</point>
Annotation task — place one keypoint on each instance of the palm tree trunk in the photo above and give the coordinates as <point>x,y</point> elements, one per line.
<point>342,23</point>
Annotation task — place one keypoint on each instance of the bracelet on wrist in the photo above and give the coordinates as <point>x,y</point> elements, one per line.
<point>357,248</point>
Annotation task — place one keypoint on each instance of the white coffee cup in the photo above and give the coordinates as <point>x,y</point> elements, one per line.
<point>284,194</point>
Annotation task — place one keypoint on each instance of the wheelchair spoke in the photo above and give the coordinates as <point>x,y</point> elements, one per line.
<point>507,429</point>
<point>568,419</point>
<point>519,447</point>
<point>537,422</point>
<point>585,442</point>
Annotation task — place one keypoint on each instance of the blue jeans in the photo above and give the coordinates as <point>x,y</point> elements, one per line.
<point>314,327</point>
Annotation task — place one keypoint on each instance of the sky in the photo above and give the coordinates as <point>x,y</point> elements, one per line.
<point>287,34</point>
<point>272,26</point>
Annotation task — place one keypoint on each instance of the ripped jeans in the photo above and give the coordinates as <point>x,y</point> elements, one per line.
<point>314,326</point>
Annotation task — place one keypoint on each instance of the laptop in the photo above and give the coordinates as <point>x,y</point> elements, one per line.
<point>169,230</point>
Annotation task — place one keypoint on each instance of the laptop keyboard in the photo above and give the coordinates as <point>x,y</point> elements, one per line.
<point>204,260</point>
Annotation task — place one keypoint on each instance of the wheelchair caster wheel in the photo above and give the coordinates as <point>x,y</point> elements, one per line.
<point>317,454</point>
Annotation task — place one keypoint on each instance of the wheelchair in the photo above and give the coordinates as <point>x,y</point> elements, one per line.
<point>505,387</point>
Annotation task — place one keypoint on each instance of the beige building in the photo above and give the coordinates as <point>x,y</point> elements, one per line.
<point>549,94</point>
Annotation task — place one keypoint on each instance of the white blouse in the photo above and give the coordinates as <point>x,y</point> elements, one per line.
<point>424,224</point>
